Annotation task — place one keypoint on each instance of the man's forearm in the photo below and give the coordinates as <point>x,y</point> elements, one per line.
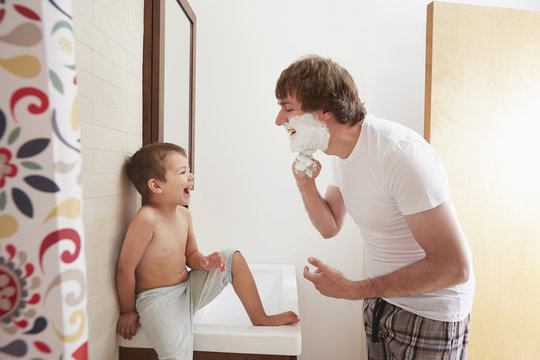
<point>319,212</point>
<point>419,277</point>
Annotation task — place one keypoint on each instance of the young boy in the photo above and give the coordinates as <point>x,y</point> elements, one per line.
<point>154,286</point>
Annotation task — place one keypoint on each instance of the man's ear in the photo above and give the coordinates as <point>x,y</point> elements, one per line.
<point>324,115</point>
<point>154,186</point>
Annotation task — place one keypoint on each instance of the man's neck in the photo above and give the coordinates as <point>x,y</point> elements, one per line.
<point>345,139</point>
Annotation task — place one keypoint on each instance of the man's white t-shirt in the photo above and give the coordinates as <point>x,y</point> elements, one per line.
<point>392,172</point>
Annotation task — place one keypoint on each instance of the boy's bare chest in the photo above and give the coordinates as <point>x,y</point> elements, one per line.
<point>170,234</point>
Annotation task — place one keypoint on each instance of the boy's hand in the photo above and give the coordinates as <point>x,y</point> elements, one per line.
<point>214,261</point>
<point>128,323</point>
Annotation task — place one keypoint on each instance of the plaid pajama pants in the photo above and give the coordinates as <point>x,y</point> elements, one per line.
<point>395,333</point>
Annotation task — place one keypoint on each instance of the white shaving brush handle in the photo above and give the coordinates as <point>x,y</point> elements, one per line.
<point>304,163</point>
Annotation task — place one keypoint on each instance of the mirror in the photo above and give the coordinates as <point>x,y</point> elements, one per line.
<point>176,82</point>
<point>169,74</point>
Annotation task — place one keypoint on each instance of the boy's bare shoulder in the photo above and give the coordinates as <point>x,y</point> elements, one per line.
<point>184,215</point>
<point>141,228</point>
<point>146,214</point>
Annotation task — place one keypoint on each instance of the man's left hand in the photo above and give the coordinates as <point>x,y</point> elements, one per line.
<point>329,281</point>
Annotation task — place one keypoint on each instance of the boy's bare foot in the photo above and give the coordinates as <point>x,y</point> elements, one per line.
<point>285,318</point>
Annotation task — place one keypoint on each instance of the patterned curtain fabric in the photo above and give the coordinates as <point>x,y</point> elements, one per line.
<point>42,264</point>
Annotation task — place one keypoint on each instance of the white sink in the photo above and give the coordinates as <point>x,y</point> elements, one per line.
<point>223,325</point>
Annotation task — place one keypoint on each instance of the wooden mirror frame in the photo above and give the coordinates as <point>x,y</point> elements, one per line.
<point>153,65</point>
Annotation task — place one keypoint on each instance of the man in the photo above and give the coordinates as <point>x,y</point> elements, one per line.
<point>419,294</point>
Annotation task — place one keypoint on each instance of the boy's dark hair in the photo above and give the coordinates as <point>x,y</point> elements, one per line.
<point>322,84</point>
<point>149,163</point>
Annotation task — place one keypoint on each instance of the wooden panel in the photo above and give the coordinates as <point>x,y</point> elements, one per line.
<point>483,117</point>
<point>197,355</point>
<point>150,354</point>
<point>125,353</point>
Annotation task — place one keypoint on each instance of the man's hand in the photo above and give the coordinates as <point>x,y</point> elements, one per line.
<point>302,179</point>
<point>213,261</point>
<point>329,281</point>
<point>128,323</point>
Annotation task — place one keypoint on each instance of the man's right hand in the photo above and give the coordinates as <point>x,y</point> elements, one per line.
<point>128,323</point>
<point>302,179</point>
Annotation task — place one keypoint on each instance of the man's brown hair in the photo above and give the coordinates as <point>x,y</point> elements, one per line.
<point>149,162</point>
<point>322,84</point>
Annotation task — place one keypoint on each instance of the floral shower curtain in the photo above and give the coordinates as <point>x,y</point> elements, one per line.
<point>42,264</point>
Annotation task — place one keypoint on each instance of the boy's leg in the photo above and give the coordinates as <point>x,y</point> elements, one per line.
<point>244,286</point>
<point>206,285</point>
<point>246,289</point>
<point>165,317</point>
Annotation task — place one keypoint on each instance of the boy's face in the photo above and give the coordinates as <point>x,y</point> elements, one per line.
<point>178,179</point>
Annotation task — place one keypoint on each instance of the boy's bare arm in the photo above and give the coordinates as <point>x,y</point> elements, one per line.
<point>137,237</point>
<point>194,258</point>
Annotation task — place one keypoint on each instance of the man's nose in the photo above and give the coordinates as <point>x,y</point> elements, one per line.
<point>280,119</point>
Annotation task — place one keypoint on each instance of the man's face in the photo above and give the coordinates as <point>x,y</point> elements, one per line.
<point>307,134</point>
<point>290,107</point>
<point>306,131</point>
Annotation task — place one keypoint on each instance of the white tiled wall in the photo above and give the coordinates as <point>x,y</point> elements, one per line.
<point>108,45</point>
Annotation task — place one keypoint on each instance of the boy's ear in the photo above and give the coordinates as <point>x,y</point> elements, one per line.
<point>154,186</point>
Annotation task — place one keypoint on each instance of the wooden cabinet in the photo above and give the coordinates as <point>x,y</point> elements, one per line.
<point>223,356</point>
<point>150,354</point>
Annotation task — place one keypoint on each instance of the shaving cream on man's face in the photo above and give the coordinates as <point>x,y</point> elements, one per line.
<point>307,135</point>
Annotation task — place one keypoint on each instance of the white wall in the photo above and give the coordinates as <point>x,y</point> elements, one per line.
<point>245,194</point>
<point>108,45</point>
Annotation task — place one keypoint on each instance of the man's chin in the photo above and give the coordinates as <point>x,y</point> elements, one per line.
<point>307,134</point>
<point>309,141</point>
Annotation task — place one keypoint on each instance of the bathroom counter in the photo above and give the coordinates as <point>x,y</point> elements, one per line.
<point>224,327</point>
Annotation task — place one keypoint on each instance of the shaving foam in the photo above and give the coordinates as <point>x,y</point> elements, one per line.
<point>309,135</point>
